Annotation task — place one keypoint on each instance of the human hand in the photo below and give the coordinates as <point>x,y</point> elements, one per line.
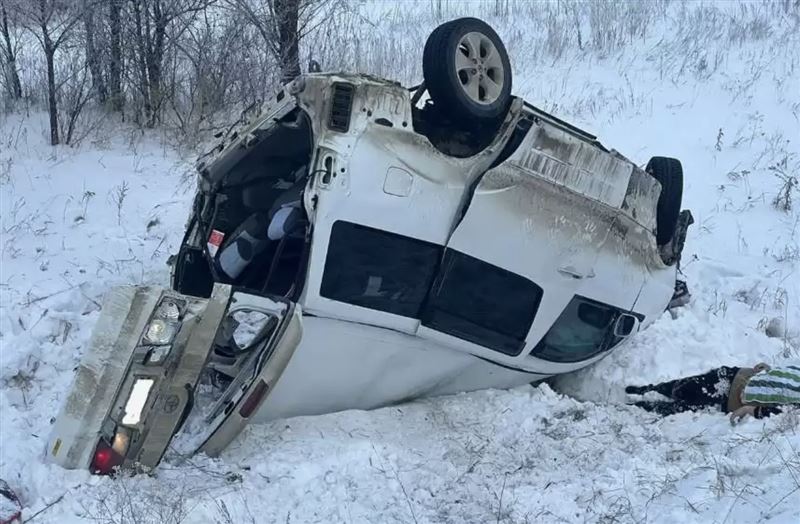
<point>739,415</point>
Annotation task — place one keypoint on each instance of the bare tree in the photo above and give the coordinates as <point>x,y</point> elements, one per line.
<point>205,72</point>
<point>93,56</point>
<point>157,25</point>
<point>181,63</point>
<point>51,22</point>
<point>75,90</point>
<point>9,54</point>
<point>282,24</point>
<point>286,14</point>
<point>115,61</point>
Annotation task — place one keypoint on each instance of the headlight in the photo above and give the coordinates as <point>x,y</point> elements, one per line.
<point>160,332</point>
<point>136,401</point>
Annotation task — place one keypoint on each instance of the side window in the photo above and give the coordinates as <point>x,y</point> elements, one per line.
<point>378,270</point>
<point>584,329</point>
<point>481,303</point>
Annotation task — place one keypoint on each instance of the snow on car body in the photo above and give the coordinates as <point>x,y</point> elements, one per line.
<point>412,256</point>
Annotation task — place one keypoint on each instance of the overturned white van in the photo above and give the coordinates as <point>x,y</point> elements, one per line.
<point>354,247</point>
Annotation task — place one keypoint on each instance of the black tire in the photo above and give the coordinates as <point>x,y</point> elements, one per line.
<point>489,82</point>
<point>669,172</point>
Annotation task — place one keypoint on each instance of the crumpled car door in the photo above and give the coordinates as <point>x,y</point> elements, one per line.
<point>537,225</point>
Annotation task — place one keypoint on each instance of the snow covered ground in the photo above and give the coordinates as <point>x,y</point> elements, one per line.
<point>76,221</point>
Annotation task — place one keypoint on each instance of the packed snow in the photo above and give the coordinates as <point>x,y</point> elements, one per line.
<point>76,221</point>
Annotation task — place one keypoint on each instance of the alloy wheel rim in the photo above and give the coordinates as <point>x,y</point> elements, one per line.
<point>479,68</point>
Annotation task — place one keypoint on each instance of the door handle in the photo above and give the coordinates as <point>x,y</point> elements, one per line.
<point>570,271</point>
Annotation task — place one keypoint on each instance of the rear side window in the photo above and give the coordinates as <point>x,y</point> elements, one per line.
<point>584,329</point>
<point>378,270</point>
<point>481,303</point>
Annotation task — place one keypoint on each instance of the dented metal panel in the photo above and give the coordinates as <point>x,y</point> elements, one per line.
<point>641,198</point>
<point>100,375</point>
<point>567,160</point>
<point>423,198</point>
<point>539,230</point>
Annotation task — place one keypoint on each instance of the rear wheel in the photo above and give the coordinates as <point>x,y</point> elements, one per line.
<point>669,172</point>
<point>467,71</point>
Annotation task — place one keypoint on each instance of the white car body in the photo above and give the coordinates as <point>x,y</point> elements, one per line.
<point>540,224</point>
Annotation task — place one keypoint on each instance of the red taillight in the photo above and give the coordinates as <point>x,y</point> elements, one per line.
<point>105,459</point>
<point>256,396</point>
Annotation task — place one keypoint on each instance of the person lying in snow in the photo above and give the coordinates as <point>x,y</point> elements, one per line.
<point>10,508</point>
<point>759,391</point>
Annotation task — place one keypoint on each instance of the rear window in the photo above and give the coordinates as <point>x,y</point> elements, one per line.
<point>482,303</point>
<point>584,329</point>
<point>378,270</point>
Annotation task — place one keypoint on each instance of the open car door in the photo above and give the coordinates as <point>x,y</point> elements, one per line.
<point>257,376</point>
<point>162,364</point>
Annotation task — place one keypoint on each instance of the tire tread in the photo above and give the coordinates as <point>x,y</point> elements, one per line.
<point>669,173</point>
